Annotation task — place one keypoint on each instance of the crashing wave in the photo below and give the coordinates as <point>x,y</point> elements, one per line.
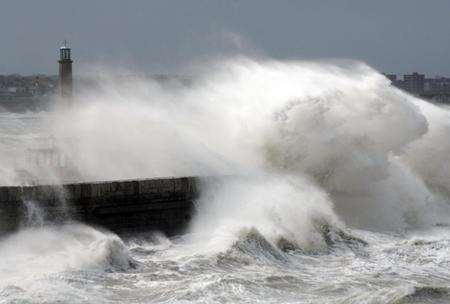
<point>61,248</point>
<point>377,154</point>
<point>251,245</point>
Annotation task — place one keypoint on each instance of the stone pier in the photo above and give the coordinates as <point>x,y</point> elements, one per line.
<point>162,204</point>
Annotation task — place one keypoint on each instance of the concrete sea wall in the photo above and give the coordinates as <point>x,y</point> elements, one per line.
<point>163,204</point>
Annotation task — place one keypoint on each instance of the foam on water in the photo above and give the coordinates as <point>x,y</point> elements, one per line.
<point>34,253</point>
<point>324,175</point>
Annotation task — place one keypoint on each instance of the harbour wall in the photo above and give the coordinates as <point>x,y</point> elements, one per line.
<point>126,206</point>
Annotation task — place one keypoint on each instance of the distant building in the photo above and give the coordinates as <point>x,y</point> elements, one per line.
<point>438,84</point>
<point>435,89</point>
<point>414,83</point>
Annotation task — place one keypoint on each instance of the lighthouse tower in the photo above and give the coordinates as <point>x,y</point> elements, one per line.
<point>65,72</point>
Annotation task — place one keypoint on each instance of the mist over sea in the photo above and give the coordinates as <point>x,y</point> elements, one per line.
<point>330,186</point>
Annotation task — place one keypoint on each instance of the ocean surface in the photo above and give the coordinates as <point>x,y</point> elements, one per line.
<point>79,264</point>
<point>332,187</point>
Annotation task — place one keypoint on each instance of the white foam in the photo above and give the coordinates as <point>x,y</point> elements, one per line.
<point>376,153</point>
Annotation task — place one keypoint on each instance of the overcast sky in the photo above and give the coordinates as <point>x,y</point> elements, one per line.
<point>159,36</point>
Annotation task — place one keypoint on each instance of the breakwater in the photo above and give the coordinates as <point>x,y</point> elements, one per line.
<point>163,204</point>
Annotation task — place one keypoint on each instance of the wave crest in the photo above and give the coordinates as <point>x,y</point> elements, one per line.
<point>64,248</point>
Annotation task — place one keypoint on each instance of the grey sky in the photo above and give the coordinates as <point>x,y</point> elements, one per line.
<point>157,36</point>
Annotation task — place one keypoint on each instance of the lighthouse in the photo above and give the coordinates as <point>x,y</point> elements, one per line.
<point>65,72</point>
